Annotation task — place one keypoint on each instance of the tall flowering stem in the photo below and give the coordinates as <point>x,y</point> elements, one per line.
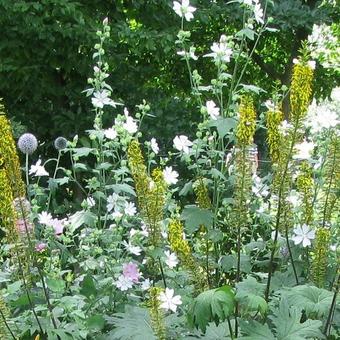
<point>156,314</point>
<point>300,96</point>
<point>150,191</point>
<point>274,136</point>
<point>320,256</point>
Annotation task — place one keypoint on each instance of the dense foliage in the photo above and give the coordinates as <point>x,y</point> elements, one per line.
<point>121,235</point>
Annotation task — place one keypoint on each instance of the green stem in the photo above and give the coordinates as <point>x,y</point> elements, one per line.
<point>7,325</point>
<point>54,177</point>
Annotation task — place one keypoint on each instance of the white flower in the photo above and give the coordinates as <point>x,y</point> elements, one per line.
<point>146,284</point>
<point>184,9</point>
<point>45,218</point>
<point>284,127</point>
<point>130,209</point>
<point>335,95</point>
<point>304,235</point>
<point>248,2</point>
<point>221,52</point>
<point>169,301</point>
<point>144,231</point>
<point>190,54</point>
<point>123,283</point>
<point>111,201</point>
<point>154,145</point>
<point>102,98</point>
<point>171,259</point>
<point>182,143</point>
<point>294,199</point>
<point>258,12</point>
<point>110,133</point>
<point>212,110</point>
<point>170,176</point>
<point>116,214</point>
<point>311,64</point>
<point>304,150</point>
<point>135,250</point>
<point>38,170</point>
<point>130,125</point>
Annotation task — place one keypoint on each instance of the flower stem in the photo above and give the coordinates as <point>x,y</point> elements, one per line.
<point>6,324</point>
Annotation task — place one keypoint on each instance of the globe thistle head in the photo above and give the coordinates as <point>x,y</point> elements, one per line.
<point>27,143</point>
<point>60,143</point>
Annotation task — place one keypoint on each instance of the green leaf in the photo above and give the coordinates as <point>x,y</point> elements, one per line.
<point>223,125</point>
<point>134,324</point>
<point>194,217</point>
<point>57,286</point>
<point>187,187</point>
<point>95,322</point>
<point>81,152</point>
<point>87,287</point>
<point>254,330</point>
<point>288,326</point>
<point>213,305</point>
<point>315,301</point>
<point>250,295</point>
<point>82,218</point>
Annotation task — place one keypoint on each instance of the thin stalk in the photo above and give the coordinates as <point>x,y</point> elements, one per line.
<point>7,325</point>
<point>54,177</point>
<point>162,272</point>
<point>332,309</point>
<point>291,255</point>
<point>27,178</point>
<point>230,329</point>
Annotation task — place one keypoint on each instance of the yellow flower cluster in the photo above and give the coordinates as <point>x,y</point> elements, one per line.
<point>10,159</point>
<point>202,194</point>
<point>301,91</point>
<point>156,315</point>
<point>4,334</point>
<point>305,185</point>
<point>274,136</point>
<point>320,260</point>
<point>150,191</point>
<point>247,123</point>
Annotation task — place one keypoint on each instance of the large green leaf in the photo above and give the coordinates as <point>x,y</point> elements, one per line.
<point>134,324</point>
<point>212,305</point>
<point>254,330</point>
<point>250,295</point>
<point>315,301</point>
<point>288,326</point>
<point>194,217</point>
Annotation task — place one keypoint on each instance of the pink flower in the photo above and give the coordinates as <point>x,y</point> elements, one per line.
<point>58,226</point>
<point>130,271</point>
<point>40,247</point>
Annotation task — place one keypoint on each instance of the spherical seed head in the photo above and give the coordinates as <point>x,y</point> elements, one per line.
<point>27,143</point>
<point>60,143</point>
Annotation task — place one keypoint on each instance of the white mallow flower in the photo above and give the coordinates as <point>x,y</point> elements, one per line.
<point>45,218</point>
<point>190,54</point>
<point>116,214</point>
<point>171,259</point>
<point>123,283</point>
<point>284,127</point>
<point>258,12</point>
<point>303,234</point>
<point>294,198</point>
<point>111,201</point>
<point>220,52</point>
<point>182,143</point>
<point>38,169</point>
<point>184,9</point>
<point>170,176</point>
<point>304,150</point>
<point>110,133</point>
<point>212,109</point>
<point>154,145</point>
<point>135,250</point>
<point>101,98</point>
<point>130,125</point>
<point>146,284</point>
<point>130,209</point>
<point>169,301</point>
<point>335,95</point>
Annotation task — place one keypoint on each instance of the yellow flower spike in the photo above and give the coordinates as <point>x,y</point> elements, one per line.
<point>320,260</point>
<point>247,123</point>
<point>10,159</point>
<point>156,314</point>
<point>274,137</point>
<point>305,186</point>
<point>202,194</point>
<point>301,91</point>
